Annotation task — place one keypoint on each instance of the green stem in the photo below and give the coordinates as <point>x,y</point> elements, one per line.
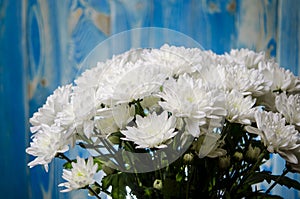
<point>62,156</point>
<point>285,171</point>
<point>190,175</point>
<point>92,191</point>
<point>251,169</point>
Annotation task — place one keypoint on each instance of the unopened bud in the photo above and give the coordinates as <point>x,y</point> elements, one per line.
<point>188,157</point>
<point>114,139</point>
<point>157,184</point>
<point>224,162</point>
<point>253,152</point>
<point>238,156</point>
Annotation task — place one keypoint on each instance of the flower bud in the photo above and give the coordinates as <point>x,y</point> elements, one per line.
<point>188,157</point>
<point>253,152</point>
<point>157,184</point>
<point>238,156</point>
<point>114,139</point>
<point>224,162</point>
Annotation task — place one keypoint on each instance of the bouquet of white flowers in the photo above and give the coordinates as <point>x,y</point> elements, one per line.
<point>173,122</point>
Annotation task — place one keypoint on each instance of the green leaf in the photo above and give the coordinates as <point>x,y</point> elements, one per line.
<point>260,195</point>
<point>288,182</point>
<point>179,177</point>
<point>258,177</point>
<point>265,175</point>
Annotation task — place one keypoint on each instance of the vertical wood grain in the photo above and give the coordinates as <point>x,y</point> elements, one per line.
<point>289,35</point>
<point>13,137</point>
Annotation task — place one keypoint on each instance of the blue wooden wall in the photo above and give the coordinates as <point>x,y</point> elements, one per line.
<point>43,42</point>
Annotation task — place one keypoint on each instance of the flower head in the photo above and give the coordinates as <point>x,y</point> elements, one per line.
<point>81,175</point>
<point>247,81</point>
<point>152,131</point>
<point>55,103</point>
<point>177,60</point>
<point>245,57</point>
<point>289,107</point>
<point>47,142</point>
<point>280,78</point>
<point>189,99</point>
<point>276,135</point>
<point>239,108</point>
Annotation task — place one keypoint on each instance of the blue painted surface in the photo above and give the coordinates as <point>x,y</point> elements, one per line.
<point>13,134</point>
<point>43,42</point>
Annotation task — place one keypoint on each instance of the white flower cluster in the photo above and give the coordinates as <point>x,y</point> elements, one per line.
<point>149,95</point>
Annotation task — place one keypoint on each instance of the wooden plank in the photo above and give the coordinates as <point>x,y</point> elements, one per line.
<point>289,35</point>
<point>257,25</point>
<point>13,139</point>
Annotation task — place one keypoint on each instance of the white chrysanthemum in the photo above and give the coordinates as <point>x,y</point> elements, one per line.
<point>81,175</point>
<point>206,59</point>
<point>239,108</point>
<point>213,76</point>
<point>97,85</point>
<point>188,98</point>
<point>110,120</point>
<point>66,117</point>
<point>177,60</point>
<point>276,135</point>
<point>55,103</point>
<point>280,78</point>
<point>289,107</point>
<point>139,82</point>
<point>245,57</point>
<point>46,143</point>
<point>247,81</point>
<point>152,131</point>
<point>85,107</point>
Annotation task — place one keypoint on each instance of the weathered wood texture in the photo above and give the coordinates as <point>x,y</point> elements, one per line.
<point>43,42</point>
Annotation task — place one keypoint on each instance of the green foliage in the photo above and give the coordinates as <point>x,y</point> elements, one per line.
<point>194,177</point>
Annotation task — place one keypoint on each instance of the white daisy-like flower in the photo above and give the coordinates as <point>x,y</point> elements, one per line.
<point>55,103</point>
<point>247,81</point>
<point>206,59</point>
<point>110,120</point>
<point>81,175</point>
<point>152,131</point>
<point>276,135</point>
<point>139,82</point>
<point>245,57</point>
<point>46,144</point>
<point>85,107</point>
<point>213,76</point>
<point>239,108</point>
<point>280,78</point>
<point>177,60</point>
<point>189,99</point>
<point>289,107</point>
<point>66,117</point>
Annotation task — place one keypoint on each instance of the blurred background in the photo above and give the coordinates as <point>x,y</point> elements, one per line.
<point>42,43</point>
